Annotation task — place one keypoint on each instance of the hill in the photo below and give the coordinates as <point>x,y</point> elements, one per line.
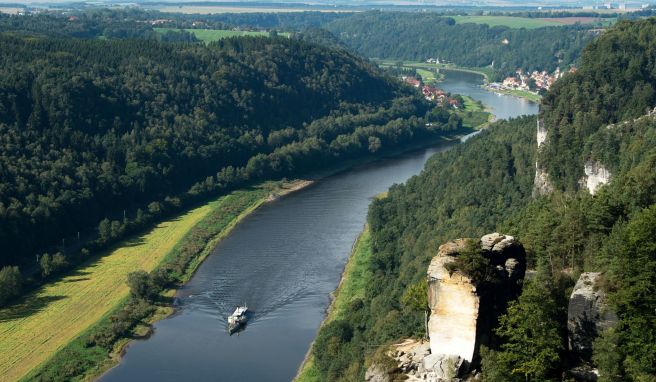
<point>485,185</point>
<point>120,132</point>
<point>417,37</point>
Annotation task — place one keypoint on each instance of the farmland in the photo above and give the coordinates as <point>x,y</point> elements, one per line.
<point>508,21</point>
<point>209,35</point>
<point>211,9</point>
<point>52,317</point>
<point>48,318</point>
<point>530,23</point>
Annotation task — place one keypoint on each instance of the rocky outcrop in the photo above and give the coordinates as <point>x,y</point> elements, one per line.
<point>588,315</point>
<point>596,175</point>
<point>462,311</point>
<point>454,306</point>
<point>541,183</point>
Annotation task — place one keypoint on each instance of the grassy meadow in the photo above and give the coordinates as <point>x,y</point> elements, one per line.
<point>474,115</point>
<point>209,35</point>
<point>48,329</point>
<point>51,316</point>
<point>531,23</point>
<point>507,21</point>
<point>354,281</point>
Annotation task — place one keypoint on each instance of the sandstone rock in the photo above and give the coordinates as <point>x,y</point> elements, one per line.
<point>596,175</point>
<point>444,367</point>
<point>376,373</point>
<point>488,241</point>
<point>587,315</point>
<point>462,314</point>
<point>541,183</point>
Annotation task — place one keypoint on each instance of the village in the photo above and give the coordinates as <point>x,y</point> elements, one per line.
<point>534,81</point>
<point>432,93</point>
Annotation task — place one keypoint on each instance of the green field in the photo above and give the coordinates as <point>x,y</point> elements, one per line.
<point>50,325</point>
<point>417,65</point>
<point>429,76</point>
<point>354,281</point>
<point>508,21</point>
<point>474,115</point>
<point>53,315</point>
<point>522,94</point>
<point>209,35</point>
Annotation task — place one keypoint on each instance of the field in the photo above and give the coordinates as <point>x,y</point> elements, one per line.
<point>209,35</point>
<point>508,21</point>
<point>352,286</point>
<point>209,9</point>
<point>429,76</point>
<point>474,115</point>
<point>53,315</point>
<point>583,20</point>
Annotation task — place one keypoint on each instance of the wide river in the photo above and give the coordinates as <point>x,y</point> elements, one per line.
<point>283,261</point>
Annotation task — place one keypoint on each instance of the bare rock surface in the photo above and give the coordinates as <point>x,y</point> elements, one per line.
<point>588,315</point>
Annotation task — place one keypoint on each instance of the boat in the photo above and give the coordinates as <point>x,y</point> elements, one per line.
<point>237,319</point>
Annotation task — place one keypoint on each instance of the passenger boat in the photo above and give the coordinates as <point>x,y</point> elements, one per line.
<point>237,319</point>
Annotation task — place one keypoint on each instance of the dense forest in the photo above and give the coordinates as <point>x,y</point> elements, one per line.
<point>412,36</point>
<point>484,186</point>
<point>385,35</point>
<point>615,83</point>
<point>118,132</point>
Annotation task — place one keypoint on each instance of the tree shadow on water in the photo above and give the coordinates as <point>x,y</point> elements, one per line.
<point>27,307</point>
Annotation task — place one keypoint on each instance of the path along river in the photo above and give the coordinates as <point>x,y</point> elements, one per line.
<point>283,261</point>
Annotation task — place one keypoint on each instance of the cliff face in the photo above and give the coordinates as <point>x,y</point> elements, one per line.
<point>463,311</point>
<point>596,175</point>
<point>454,306</point>
<point>541,184</point>
<point>588,315</point>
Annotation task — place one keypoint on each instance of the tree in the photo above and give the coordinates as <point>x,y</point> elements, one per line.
<point>415,297</point>
<point>104,230</point>
<point>11,282</point>
<point>374,144</point>
<point>532,334</point>
<point>141,285</point>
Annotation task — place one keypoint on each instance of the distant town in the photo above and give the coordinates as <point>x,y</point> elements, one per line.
<point>534,81</point>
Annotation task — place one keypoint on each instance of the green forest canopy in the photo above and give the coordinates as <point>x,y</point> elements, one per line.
<point>90,128</point>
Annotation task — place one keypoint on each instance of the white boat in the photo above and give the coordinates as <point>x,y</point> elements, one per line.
<point>237,319</point>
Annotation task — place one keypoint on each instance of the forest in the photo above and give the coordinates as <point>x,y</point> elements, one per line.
<point>383,35</point>
<point>99,137</point>
<point>417,37</point>
<point>485,186</point>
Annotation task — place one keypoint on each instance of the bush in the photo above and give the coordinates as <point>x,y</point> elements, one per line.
<point>11,282</point>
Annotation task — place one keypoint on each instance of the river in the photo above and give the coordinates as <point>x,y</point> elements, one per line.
<point>283,261</point>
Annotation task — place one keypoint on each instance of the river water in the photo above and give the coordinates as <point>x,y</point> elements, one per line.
<point>283,261</point>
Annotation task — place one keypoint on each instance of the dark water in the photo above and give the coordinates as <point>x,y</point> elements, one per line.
<point>283,261</point>
<point>503,106</point>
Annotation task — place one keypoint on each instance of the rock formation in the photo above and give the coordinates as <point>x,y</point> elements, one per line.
<point>596,175</point>
<point>541,184</point>
<point>587,315</point>
<point>463,312</point>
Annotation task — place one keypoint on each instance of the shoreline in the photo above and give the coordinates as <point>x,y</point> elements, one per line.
<point>115,356</point>
<point>334,296</point>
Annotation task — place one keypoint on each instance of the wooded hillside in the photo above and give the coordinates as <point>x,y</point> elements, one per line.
<point>92,128</point>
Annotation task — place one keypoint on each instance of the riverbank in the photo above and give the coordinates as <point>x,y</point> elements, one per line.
<point>525,94</point>
<point>435,76</point>
<point>72,355</point>
<point>55,341</point>
<point>351,287</point>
